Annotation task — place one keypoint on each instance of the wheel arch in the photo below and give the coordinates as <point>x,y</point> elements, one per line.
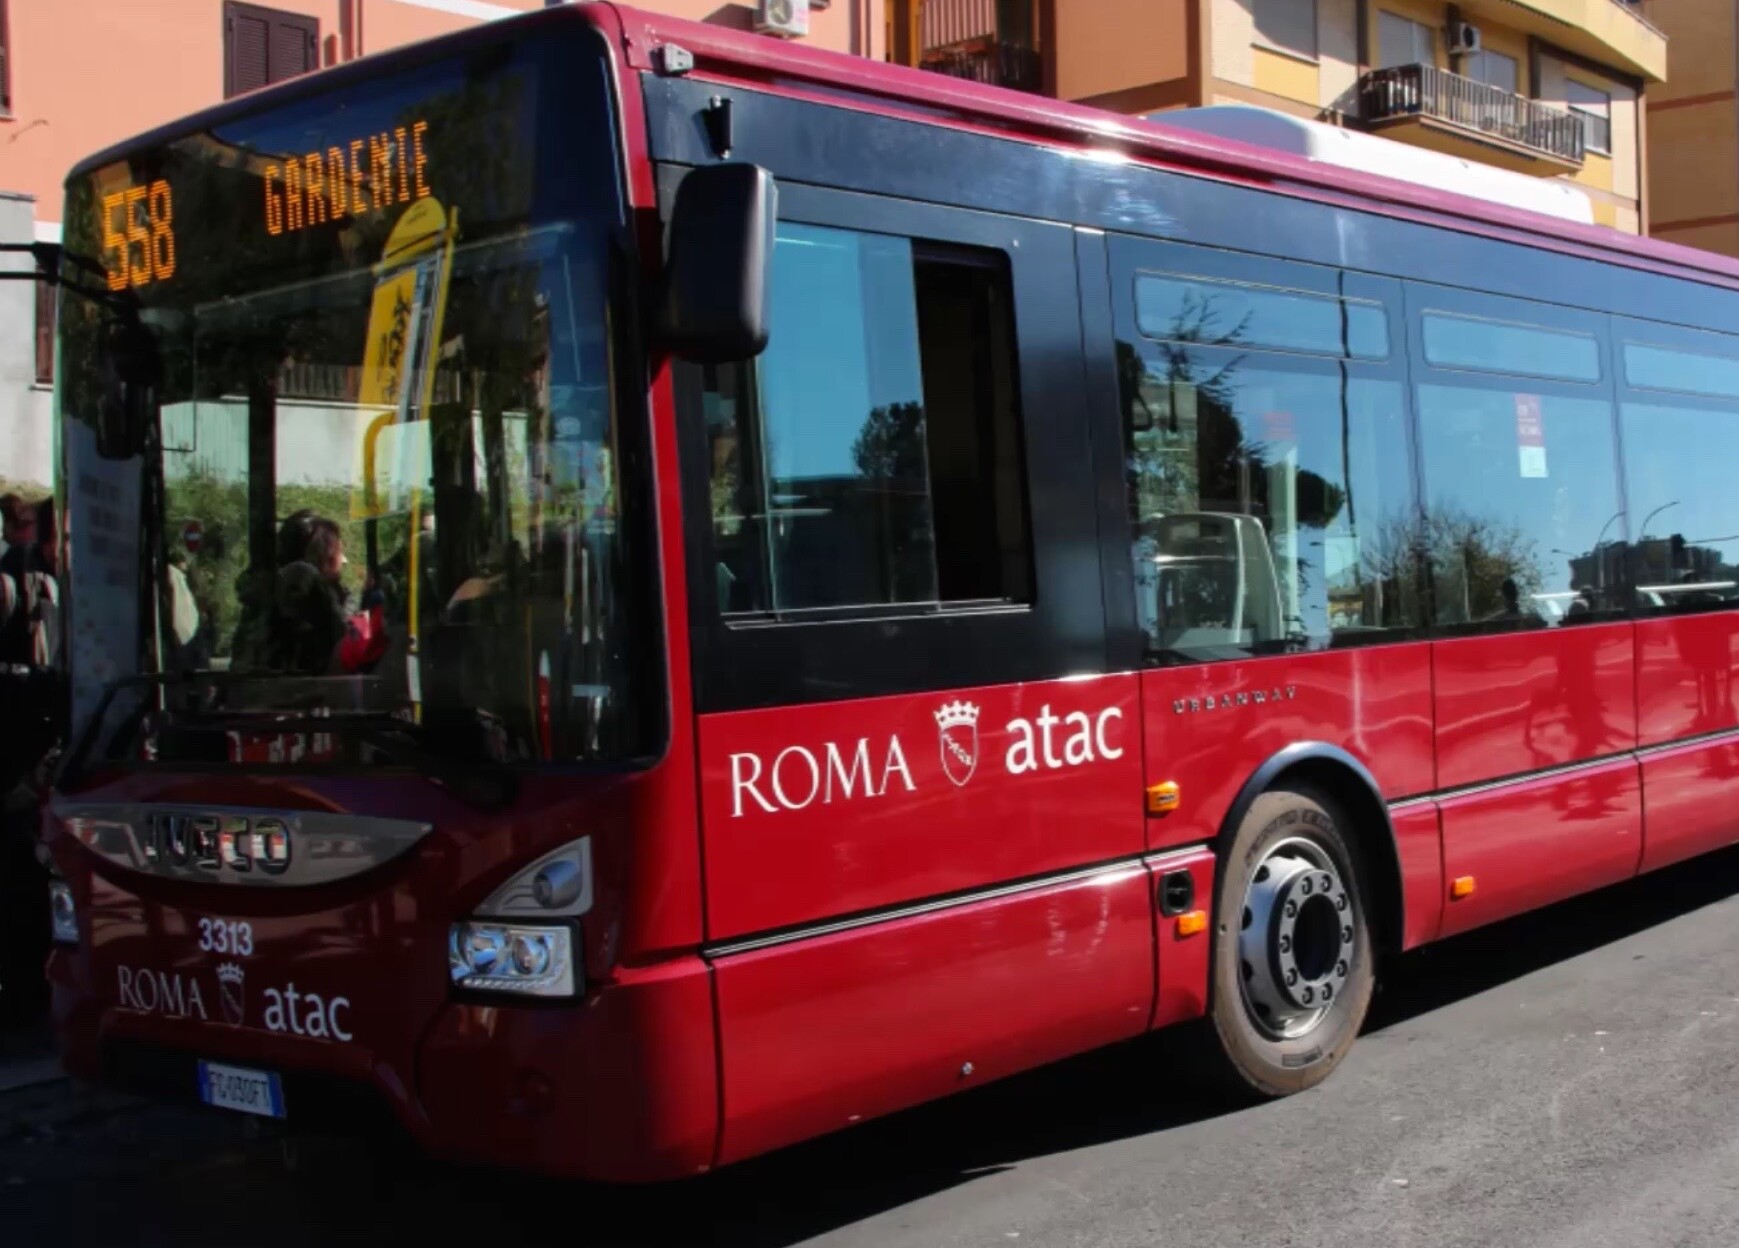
<point>1333,771</point>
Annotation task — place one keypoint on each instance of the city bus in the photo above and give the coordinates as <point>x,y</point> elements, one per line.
<point>638,594</point>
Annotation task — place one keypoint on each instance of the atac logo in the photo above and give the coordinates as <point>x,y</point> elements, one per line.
<point>957,730</point>
<point>231,982</point>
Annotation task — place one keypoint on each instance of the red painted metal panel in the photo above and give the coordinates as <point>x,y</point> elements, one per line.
<point>829,809</point>
<point>1538,841</point>
<point>622,1090</point>
<point>1519,702</point>
<point>1183,960</point>
<point>1684,666</point>
<point>1687,796</point>
<point>822,1033</point>
<point>1419,847</point>
<point>1375,703</point>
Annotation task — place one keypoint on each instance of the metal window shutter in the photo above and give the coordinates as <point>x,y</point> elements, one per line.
<point>263,46</point>
<point>248,35</point>
<point>295,46</point>
<point>5,68</point>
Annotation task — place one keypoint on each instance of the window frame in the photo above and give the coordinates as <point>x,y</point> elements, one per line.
<point>1591,118</point>
<point>1266,41</point>
<point>1424,298</point>
<point>1629,332</point>
<point>1131,256</point>
<point>1379,61</point>
<point>748,662</point>
<point>308,24</point>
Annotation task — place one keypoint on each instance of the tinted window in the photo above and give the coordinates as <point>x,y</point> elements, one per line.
<point>1522,521</point>
<point>1686,372</point>
<point>871,456</point>
<point>1190,309</point>
<point>1679,470</point>
<point>1500,347</point>
<point>1270,503</point>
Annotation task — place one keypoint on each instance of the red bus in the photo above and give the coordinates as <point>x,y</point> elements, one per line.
<point>638,594</point>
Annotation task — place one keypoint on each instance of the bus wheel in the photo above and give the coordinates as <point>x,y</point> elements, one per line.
<point>1292,966</point>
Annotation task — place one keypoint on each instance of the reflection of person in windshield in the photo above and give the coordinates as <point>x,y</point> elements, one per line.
<point>309,629</point>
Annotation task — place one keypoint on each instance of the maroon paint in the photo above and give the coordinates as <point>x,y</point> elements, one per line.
<point>1538,841</point>
<point>1519,702</point>
<point>825,1032</point>
<point>1183,960</point>
<point>1375,703</point>
<point>825,848</point>
<point>1684,677</point>
<point>1687,795</point>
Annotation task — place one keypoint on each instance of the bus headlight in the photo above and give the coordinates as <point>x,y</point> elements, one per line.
<point>557,885</point>
<point>62,912</point>
<point>519,958</point>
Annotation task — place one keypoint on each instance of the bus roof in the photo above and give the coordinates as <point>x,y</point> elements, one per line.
<point>792,68</point>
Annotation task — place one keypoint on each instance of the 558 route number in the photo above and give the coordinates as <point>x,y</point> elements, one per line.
<point>227,936</point>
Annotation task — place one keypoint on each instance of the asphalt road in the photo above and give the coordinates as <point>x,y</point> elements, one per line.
<point>1565,1079</point>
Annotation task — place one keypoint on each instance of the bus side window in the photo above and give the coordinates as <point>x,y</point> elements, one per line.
<point>1268,470</point>
<point>871,458</point>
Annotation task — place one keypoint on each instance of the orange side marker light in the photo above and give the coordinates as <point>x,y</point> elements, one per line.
<point>1163,798</point>
<point>1462,887</point>
<point>1193,923</point>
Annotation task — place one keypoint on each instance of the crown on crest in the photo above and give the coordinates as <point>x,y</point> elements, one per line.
<point>230,973</point>
<point>957,715</point>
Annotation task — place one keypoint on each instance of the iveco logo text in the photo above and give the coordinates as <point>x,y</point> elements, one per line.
<point>1226,701</point>
<point>214,842</point>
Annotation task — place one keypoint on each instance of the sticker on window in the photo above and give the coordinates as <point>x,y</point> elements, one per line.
<point>1530,436</point>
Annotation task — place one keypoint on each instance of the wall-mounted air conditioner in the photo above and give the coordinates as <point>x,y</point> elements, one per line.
<point>1463,39</point>
<point>789,19</point>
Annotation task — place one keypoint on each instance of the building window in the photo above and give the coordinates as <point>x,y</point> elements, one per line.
<point>5,65</point>
<point>1594,107</point>
<point>262,46</point>
<point>1494,69</point>
<point>1287,25</point>
<point>1402,41</point>
<point>45,333</point>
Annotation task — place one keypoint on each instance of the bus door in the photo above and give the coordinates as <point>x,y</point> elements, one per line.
<point>1524,525</point>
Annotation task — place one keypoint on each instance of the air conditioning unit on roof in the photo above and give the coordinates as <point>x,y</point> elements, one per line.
<point>788,19</point>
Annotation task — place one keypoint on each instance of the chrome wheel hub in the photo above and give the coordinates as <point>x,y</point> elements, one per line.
<point>1296,942</point>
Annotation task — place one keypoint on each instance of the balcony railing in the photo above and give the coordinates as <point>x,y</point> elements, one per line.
<point>990,61</point>
<point>1387,95</point>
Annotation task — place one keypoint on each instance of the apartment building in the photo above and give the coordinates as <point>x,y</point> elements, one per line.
<point>1693,127</point>
<point>78,75</point>
<point>1549,88</point>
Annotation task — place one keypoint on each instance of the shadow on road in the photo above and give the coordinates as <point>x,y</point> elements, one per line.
<point>240,1196</point>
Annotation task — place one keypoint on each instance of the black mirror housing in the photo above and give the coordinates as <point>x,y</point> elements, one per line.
<point>717,262</point>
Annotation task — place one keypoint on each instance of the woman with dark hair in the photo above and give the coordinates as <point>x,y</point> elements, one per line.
<point>315,631</point>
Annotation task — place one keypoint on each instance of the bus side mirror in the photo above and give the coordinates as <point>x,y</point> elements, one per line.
<point>717,257</point>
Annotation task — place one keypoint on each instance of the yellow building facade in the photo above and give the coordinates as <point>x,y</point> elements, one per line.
<point>1551,88</point>
<point>1693,128</point>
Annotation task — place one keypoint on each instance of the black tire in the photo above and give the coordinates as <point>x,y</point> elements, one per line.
<point>1250,1053</point>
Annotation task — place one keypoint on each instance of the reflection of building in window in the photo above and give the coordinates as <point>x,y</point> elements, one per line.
<point>872,456</point>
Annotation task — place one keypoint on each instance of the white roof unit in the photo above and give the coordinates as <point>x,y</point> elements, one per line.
<point>1370,153</point>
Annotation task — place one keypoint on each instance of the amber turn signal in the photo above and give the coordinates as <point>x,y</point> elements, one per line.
<point>1192,923</point>
<point>1163,798</point>
<point>1462,887</point>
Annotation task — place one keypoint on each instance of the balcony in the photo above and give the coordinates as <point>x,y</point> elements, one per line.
<point>1434,108</point>
<point>989,61</point>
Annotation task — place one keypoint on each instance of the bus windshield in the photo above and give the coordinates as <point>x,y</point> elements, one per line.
<point>342,433</point>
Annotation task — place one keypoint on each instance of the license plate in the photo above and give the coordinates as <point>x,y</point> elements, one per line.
<point>248,1091</point>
